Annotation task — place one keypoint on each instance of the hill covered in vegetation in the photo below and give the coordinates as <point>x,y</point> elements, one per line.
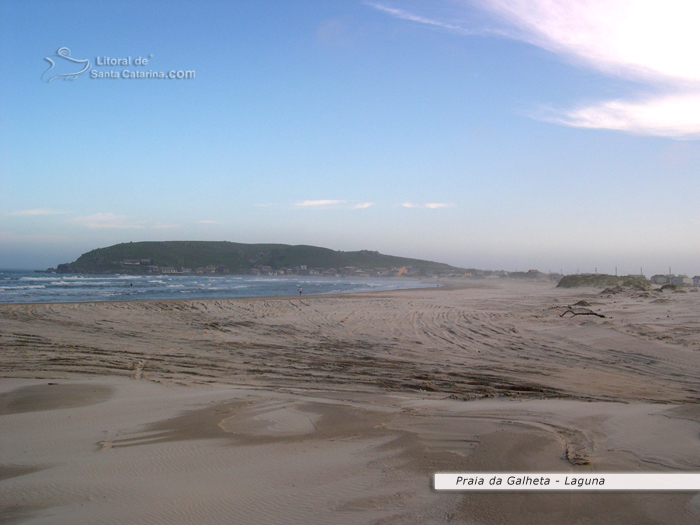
<point>231,257</point>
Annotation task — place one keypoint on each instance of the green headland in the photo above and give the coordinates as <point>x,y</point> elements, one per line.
<point>230,257</point>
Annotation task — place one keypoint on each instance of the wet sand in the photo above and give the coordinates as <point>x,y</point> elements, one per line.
<point>338,409</point>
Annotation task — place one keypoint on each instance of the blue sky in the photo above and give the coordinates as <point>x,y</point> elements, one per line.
<point>488,133</point>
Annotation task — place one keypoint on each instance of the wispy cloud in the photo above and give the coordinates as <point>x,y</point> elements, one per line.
<point>209,222</point>
<point>405,15</point>
<point>429,205</point>
<point>108,221</point>
<point>113,221</point>
<point>316,204</point>
<point>669,116</point>
<point>35,212</point>
<point>647,42</point>
<point>337,204</point>
<point>630,38</point>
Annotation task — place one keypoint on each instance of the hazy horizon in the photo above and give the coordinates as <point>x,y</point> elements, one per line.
<point>489,135</point>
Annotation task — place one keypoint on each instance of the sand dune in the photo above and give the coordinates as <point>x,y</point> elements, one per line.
<point>338,409</point>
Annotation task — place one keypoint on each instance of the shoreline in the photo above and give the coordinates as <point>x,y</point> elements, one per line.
<point>193,294</point>
<point>446,285</point>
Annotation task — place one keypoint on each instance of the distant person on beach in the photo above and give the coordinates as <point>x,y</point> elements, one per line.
<point>300,290</point>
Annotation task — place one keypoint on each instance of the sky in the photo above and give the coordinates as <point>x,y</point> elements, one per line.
<point>559,135</point>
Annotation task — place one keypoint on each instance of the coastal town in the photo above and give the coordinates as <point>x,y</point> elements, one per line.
<point>404,271</point>
<point>221,269</point>
<point>148,266</point>
<point>675,280</point>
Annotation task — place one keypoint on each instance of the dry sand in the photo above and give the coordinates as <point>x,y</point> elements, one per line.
<point>339,409</point>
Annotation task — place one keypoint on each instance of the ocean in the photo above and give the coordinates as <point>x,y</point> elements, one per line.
<point>26,286</point>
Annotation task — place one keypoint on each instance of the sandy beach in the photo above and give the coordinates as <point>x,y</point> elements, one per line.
<point>339,409</point>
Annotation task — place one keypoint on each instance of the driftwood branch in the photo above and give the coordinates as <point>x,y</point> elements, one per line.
<point>581,311</point>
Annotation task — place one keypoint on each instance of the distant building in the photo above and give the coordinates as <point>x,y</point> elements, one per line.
<point>681,280</point>
<point>696,280</point>
<point>659,279</point>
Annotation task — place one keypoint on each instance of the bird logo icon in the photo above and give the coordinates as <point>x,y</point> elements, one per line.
<point>62,60</point>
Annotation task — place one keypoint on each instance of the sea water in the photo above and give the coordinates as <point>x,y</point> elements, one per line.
<point>22,286</point>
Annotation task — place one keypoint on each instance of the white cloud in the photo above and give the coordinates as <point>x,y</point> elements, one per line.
<point>652,43</point>
<point>341,204</point>
<point>429,205</point>
<point>208,222</point>
<point>107,220</point>
<point>649,42</point>
<point>35,212</point>
<point>670,116</point>
<point>638,39</point>
<point>118,222</point>
<point>320,203</point>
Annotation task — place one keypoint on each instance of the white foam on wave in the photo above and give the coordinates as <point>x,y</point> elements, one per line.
<point>26,287</point>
